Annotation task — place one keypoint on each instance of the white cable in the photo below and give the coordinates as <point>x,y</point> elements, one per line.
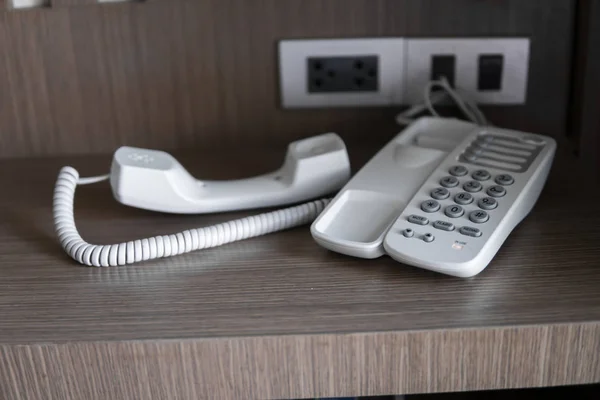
<point>430,98</point>
<point>468,108</point>
<point>165,245</point>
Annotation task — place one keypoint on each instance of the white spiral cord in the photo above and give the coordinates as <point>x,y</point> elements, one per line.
<point>165,245</point>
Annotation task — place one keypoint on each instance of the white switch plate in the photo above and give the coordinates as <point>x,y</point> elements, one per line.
<point>29,3</point>
<point>467,51</point>
<point>293,56</point>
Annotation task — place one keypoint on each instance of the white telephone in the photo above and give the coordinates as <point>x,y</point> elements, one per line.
<point>442,195</point>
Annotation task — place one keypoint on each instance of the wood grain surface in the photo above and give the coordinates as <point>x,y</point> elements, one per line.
<point>185,73</point>
<point>278,316</point>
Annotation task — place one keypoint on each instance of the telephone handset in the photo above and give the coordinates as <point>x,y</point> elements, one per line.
<point>442,195</point>
<point>155,180</point>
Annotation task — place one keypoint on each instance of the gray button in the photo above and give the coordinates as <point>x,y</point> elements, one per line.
<point>504,179</point>
<point>479,216</point>
<point>408,233</point>
<point>440,193</point>
<point>533,139</point>
<point>487,203</point>
<point>417,219</point>
<point>463,198</point>
<point>470,231</point>
<point>481,175</point>
<point>496,191</point>
<point>443,225</point>
<point>428,237</point>
<point>470,157</point>
<point>430,206</point>
<point>458,170</point>
<point>449,182</point>
<point>454,211</point>
<point>472,186</point>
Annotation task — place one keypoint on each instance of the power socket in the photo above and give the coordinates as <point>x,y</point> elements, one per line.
<point>487,70</point>
<point>341,72</point>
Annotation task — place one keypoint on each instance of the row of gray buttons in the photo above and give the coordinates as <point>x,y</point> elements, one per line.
<point>455,211</point>
<point>470,186</point>
<point>481,175</point>
<point>464,198</point>
<point>442,225</point>
<point>428,237</point>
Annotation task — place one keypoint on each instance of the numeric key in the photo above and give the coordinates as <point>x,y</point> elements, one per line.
<point>440,193</point>
<point>504,179</point>
<point>472,186</point>
<point>454,211</point>
<point>496,191</point>
<point>458,170</point>
<point>463,198</point>
<point>487,203</point>
<point>449,182</point>
<point>481,175</point>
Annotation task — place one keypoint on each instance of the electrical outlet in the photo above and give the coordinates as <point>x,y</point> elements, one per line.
<point>488,70</point>
<point>341,72</point>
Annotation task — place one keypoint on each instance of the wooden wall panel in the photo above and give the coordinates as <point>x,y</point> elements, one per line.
<point>181,73</point>
<point>585,122</point>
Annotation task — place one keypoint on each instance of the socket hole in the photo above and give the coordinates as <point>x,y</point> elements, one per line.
<point>318,65</point>
<point>372,73</point>
<point>318,82</point>
<point>359,82</point>
<point>359,64</point>
<point>331,73</point>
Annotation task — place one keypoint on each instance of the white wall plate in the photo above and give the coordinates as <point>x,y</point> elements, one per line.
<point>29,3</point>
<point>467,51</point>
<point>293,67</point>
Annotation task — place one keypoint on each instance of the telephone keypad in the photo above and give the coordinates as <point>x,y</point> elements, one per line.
<point>471,186</point>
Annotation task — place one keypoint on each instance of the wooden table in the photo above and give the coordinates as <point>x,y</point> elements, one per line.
<point>278,316</point>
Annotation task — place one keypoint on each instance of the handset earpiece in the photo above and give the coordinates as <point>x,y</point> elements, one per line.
<point>155,180</point>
